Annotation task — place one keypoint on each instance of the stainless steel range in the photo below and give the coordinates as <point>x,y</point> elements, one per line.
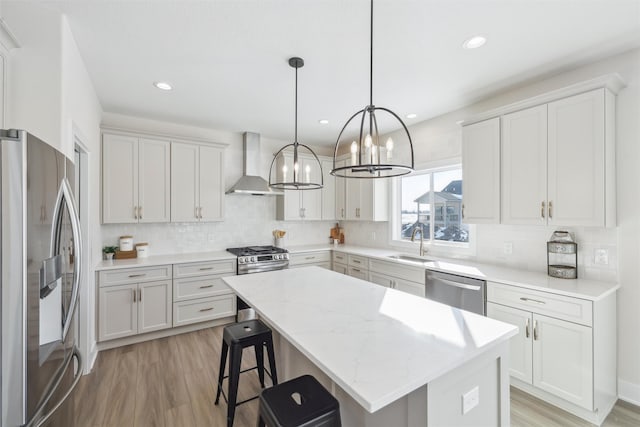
<point>257,259</point>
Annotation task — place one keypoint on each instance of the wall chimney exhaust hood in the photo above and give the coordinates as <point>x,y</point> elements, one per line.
<point>251,183</point>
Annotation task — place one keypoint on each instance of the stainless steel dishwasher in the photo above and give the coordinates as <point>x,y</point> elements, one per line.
<point>457,291</point>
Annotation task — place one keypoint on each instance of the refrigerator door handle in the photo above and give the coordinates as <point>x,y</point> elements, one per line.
<point>39,421</point>
<point>65,195</point>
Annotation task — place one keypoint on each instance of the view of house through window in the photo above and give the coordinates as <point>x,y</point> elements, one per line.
<point>433,201</point>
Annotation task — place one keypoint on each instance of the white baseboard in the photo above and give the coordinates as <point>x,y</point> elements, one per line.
<point>629,392</point>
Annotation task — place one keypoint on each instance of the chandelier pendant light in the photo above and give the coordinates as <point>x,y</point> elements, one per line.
<point>369,156</point>
<point>295,166</point>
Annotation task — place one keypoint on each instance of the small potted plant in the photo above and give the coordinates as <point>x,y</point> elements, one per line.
<point>109,252</point>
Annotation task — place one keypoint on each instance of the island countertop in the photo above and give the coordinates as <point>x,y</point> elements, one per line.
<point>377,344</point>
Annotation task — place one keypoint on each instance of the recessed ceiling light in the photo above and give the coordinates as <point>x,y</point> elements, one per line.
<point>412,116</point>
<point>474,42</point>
<point>323,121</point>
<point>162,85</point>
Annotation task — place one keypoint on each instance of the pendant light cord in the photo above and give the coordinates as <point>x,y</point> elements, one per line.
<point>295,140</point>
<point>371,58</point>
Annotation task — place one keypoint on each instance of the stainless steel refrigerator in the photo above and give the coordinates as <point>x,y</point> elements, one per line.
<point>40,261</point>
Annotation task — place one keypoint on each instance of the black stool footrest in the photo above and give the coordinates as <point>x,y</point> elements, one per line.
<point>300,402</point>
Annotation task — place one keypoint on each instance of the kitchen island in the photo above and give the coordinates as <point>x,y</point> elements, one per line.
<point>390,358</point>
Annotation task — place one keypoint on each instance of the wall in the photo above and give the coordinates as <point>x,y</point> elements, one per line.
<point>249,220</point>
<point>439,139</point>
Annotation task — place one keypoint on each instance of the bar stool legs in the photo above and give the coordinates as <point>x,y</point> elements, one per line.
<point>236,337</point>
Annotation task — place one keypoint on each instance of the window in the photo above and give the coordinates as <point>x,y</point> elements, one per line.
<point>431,200</point>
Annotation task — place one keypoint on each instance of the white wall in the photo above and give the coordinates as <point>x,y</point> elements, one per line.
<point>248,219</point>
<point>51,95</point>
<point>440,138</point>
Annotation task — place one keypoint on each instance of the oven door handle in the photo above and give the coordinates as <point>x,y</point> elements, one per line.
<point>456,284</point>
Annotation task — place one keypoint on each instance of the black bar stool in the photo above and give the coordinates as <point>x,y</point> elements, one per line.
<point>300,402</point>
<point>250,333</point>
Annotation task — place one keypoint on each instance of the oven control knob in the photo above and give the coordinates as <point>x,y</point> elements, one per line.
<point>241,260</point>
<point>285,256</point>
<point>254,259</point>
<point>277,257</point>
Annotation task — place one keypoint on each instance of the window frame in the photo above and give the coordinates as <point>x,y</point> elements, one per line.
<point>433,246</point>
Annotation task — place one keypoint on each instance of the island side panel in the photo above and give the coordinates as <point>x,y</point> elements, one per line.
<point>291,363</point>
<point>490,374</point>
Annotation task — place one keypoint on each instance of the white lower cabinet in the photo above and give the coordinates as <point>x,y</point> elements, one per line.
<point>133,308</point>
<point>339,261</point>
<point>199,295</point>
<point>396,283</point>
<point>305,259</point>
<point>565,350</point>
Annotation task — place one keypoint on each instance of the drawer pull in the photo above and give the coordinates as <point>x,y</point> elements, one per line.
<point>537,301</point>
<point>207,286</point>
<point>356,261</point>
<point>206,268</point>
<point>207,309</point>
<point>134,295</point>
<point>339,257</point>
<point>310,257</point>
<point>535,330</point>
<point>526,329</point>
<point>137,275</point>
<point>356,270</point>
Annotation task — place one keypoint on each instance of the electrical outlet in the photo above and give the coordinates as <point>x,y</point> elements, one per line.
<point>470,399</point>
<point>601,256</point>
<point>507,248</point>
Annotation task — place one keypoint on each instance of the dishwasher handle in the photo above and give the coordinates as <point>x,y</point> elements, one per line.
<point>457,284</point>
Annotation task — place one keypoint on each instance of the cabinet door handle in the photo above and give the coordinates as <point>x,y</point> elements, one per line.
<point>201,212</point>
<point>526,329</point>
<point>550,209</point>
<point>537,301</point>
<point>463,211</point>
<point>207,286</point>
<point>134,295</point>
<point>342,213</point>
<point>137,275</point>
<point>535,330</point>
<point>207,309</point>
<point>542,209</point>
<point>135,212</point>
<point>205,268</point>
<point>310,257</point>
<point>196,212</point>
<point>139,212</point>
<point>140,295</point>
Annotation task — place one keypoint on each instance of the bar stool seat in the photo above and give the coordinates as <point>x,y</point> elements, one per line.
<point>300,402</point>
<point>250,333</point>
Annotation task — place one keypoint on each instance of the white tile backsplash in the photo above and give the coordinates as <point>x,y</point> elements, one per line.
<point>249,220</point>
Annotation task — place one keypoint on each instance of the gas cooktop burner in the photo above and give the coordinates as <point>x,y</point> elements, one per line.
<point>256,250</point>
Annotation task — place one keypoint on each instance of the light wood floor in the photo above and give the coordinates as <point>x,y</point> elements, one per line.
<point>171,382</point>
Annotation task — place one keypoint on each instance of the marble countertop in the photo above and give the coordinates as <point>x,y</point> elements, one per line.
<point>592,290</point>
<point>578,288</point>
<point>378,344</point>
<point>164,260</point>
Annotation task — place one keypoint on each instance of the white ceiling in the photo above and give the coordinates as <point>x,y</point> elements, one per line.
<point>227,59</point>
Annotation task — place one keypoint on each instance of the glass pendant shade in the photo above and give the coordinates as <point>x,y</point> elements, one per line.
<point>368,154</point>
<point>295,166</point>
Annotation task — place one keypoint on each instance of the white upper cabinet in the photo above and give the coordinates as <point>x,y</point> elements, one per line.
<point>135,179</point>
<point>481,172</point>
<point>366,199</point>
<point>197,182</point>
<point>328,191</point>
<point>555,164</point>
<point>302,204</point>
<point>341,190</point>
<point>549,160</point>
<point>524,166</point>
<point>577,161</point>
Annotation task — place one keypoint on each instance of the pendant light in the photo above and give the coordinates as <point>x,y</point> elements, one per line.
<point>296,166</point>
<point>369,156</point>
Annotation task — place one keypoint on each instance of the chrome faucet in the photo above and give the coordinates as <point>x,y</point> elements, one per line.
<point>413,238</point>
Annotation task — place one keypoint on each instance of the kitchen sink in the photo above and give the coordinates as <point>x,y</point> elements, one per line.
<point>409,259</point>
